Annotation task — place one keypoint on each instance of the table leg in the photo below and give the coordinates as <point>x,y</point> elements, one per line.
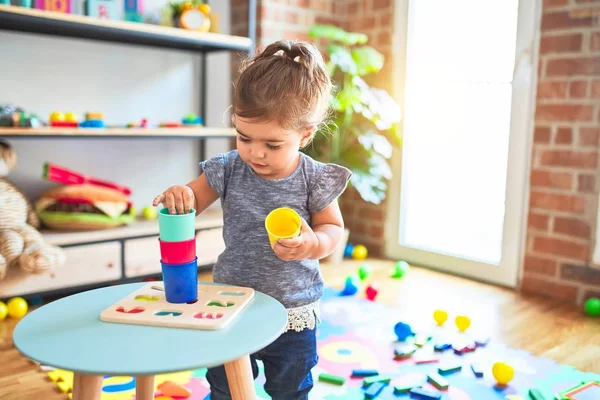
<point>144,387</point>
<point>87,387</point>
<point>241,381</point>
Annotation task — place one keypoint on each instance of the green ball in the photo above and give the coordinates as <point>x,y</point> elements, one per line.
<point>592,307</point>
<point>400,269</point>
<point>364,271</point>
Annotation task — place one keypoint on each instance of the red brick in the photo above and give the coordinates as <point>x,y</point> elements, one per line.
<point>538,221</point>
<point>564,20</point>
<point>591,293</point>
<point>386,20</point>
<point>589,137</point>
<point>551,90</point>
<point>371,213</point>
<point>572,227</point>
<point>539,265</point>
<point>569,158</point>
<point>595,89</point>
<point>541,134</point>
<point>564,112</point>
<point>380,5</point>
<point>573,66</point>
<point>384,38</point>
<point>302,3</point>
<point>561,43</point>
<point>595,41</point>
<point>320,5</point>
<point>367,23</point>
<point>554,3</point>
<point>578,89</point>
<point>557,202</point>
<point>560,247</point>
<point>580,273</point>
<point>563,136</point>
<point>547,288</point>
<point>352,9</point>
<point>586,183</point>
<point>377,231</point>
<point>291,17</point>
<point>550,179</point>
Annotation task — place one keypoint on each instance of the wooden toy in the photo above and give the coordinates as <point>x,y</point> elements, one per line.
<point>419,393</point>
<point>476,368</point>
<point>440,316</point>
<point>364,372</point>
<point>372,291</point>
<point>62,6</point>
<point>448,369</point>
<point>378,378</point>
<point>215,308</point>
<point>334,379</point>
<point>374,390</point>
<point>437,380</point>
<point>462,322</point>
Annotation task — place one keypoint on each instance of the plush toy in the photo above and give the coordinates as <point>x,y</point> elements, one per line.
<point>20,242</point>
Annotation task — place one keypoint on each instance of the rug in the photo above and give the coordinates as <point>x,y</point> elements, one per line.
<point>356,333</point>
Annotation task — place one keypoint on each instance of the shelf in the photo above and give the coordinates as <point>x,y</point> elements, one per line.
<point>207,220</point>
<point>196,132</point>
<point>28,20</point>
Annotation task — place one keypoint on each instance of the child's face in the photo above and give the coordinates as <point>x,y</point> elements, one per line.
<point>271,151</point>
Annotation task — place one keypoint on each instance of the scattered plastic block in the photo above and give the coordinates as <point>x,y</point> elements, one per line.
<point>482,341</point>
<point>442,346</point>
<point>378,378</point>
<point>425,359</point>
<point>374,390</point>
<point>403,331</point>
<point>419,393</point>
<point>404,388</point>
<point>334,379</point>
<point>405,351</point>
<point>364,372</point>
<point>448,369</point>
<point>421,339</point>
<point>437,380</point>
<point>535,394</point>
<point>476,368</point>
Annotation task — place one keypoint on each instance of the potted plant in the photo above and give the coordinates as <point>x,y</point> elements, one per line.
<point>364,127</point>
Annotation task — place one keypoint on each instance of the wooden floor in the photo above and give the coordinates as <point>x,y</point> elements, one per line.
<point>542,326</point>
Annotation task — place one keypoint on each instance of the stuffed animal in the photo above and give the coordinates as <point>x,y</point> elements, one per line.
<point>20,242</point>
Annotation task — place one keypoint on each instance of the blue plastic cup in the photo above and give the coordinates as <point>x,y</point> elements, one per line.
<point>181,281</point>
<point>176,227</point>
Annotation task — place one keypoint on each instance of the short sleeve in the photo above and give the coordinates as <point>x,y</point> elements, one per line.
<point>216,171</point>
<point>328,184</point>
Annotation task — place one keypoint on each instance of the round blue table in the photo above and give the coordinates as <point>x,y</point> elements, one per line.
<point>69,334</point>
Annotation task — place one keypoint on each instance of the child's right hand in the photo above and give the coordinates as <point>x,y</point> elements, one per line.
<point>177,199</point>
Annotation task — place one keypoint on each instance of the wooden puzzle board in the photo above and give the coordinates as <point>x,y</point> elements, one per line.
<point>215,308</point>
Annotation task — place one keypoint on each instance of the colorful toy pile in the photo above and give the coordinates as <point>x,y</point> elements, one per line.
<point>177,239</point>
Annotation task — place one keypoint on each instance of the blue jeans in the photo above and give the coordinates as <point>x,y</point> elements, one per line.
<point>288,363</point>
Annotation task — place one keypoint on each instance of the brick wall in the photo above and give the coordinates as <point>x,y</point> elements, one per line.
<point>291,19</point>
<point>564,175</point>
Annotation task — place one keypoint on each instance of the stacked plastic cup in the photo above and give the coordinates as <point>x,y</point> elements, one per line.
<point>177,239</point>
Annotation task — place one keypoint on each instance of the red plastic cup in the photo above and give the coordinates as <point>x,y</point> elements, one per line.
<point>177,252</point>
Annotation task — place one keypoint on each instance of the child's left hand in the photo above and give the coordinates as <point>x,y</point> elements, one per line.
<point>300,247</point>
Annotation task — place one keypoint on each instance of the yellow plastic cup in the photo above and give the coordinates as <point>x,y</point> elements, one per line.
<point>282,223</point>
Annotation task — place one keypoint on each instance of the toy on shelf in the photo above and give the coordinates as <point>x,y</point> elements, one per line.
<point>592,307</point>
<point>191,14</point>
<point>92,120</point>
<point>192,120</point>
<point>62,6</point>
<point>21,245</point>
<point>58,119</point>
<point>12,116</point>
<point>142,124</point>
<point>134,10</point>
<point>400,269</point>
<point>101,9</point>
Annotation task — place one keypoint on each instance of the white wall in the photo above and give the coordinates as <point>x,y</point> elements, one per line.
<point>126,83</point>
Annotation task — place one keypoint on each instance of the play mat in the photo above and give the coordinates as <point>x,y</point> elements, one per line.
<point>359,334</point>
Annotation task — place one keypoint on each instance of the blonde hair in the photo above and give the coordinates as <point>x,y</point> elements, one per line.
<point>287,83</point>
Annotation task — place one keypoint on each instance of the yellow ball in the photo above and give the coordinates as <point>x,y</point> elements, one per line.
<point>149,212</point>
<point>503,372</point>
<point>440,316</point>
<point>17,307</point>
<point>360,252</point>
<point>3,311</point>
<point>462,322</point>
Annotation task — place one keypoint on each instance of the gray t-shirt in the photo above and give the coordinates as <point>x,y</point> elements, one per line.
<point>247,199</point>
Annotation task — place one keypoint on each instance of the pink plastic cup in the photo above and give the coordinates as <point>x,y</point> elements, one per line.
<point>177,252</point>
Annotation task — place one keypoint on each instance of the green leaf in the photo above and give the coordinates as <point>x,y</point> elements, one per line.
<point>376,142</point>
<point>336,34</point>
<point>368,60</point>
<point>342,58</point>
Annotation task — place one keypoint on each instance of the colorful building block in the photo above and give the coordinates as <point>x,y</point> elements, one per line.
<point>62,6</point>
<point>405,351</point>
<point>364,372</point>
<point>404,388</point>
<point>437,380</point>
<point>421,339</point>
<point>448,369</point>
<point>134,10</point>
<point>476,368</point>
<point>378,378</point>
<point>419,393</point>
<point>442,346</point>
<point>535,394</point>
<point>334,379</point>
<point>374,390</point>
